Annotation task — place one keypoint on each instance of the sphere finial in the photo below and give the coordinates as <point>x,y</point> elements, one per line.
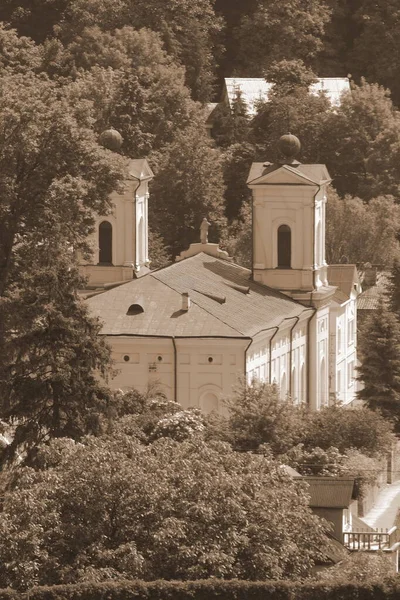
<point>111,139</point>
<point>289,146</point>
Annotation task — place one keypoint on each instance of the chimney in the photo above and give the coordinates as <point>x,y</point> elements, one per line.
<point>185,301</point>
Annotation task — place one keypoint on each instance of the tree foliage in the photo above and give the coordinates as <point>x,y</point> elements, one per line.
<point>111,508</point>
<point>53,177</point>
<point>363,232</point>
<point>260,33</point>
<point>380,364</point>
<point>188,187</point>
<point>258,415</point>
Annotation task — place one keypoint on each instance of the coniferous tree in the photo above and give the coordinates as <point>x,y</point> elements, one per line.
<point>379,372</point>
<point>394,288</point>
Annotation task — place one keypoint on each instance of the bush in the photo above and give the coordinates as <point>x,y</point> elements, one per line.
<point>212,589</point>
<point>343,428</point>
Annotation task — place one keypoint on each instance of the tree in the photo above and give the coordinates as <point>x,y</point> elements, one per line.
<point>237,238</point>
<point>190,31</point>
<point>376,51</point>
<point>379,371</point>
<point>343,428</point>
<point>188,187</point>
<point>18,54</point>
<point>237,160</point>
<point>52,356</point>
<point>53,173</point>
<point>394,288</point>
<point>53,177</point>
<point>258,415</point>
<point>364,113</point>
<point>362,232</point>
<point>32,18</point>
<point>288,30</point>
<point>111,508</point>
<point>291,108</point>
<point>231,122</point>
<point>133,84</point>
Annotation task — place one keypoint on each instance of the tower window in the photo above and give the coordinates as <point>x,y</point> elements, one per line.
<point>284,247</point>
<point>105,243</point>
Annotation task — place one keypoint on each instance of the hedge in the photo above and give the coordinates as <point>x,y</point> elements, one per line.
<point>210,589</point>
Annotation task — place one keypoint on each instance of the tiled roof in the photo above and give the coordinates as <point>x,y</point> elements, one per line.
<point>329,492</point>
<point>345,277</point>
<point>254,89</point>
<point>369,299</point>
<point>219,305</point>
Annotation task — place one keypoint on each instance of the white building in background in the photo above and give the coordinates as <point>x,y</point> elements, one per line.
<point>256,89</point>
<point>199,324</point>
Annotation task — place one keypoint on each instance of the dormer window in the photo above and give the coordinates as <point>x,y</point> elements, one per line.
<point>105,243</point>
<point>284,247</point>
<point>135,309</point>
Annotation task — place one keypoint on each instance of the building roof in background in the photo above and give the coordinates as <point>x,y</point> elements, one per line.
<point>329,492</point>
<point>345,277</point>
<point>254,89</point>
<point>224,302</point>
<point>369,299</point>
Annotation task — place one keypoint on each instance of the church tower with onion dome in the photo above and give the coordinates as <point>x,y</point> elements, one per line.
<point>119,243</point>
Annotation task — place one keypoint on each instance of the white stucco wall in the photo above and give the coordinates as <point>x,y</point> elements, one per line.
<point>280,356</point>
<point>207,369</point>
<point>343,350</point>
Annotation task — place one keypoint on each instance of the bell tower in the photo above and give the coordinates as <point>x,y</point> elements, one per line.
<point>120,239</point>
<point>289,201</point>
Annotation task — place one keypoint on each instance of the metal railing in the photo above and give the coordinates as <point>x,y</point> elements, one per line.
<point>370,540</point>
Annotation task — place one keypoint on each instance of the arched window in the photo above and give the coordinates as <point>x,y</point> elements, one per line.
<point>284,247</point>
<point>209,402</point>
<point>293,391</point>
<point>105,243</point>
<point>323,400</point>
<point>283,388</point>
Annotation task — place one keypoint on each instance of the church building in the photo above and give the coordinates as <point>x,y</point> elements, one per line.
<point>199,324</point>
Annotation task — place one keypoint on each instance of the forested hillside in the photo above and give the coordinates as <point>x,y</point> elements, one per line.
<point>149,69</point>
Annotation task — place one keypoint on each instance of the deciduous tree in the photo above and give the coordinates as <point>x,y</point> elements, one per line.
<point>188,187</point>
<point>112,508</point>
<point>288,30</point>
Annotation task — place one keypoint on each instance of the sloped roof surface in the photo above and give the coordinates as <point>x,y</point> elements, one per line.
<point>369,299</point>
<point>254,89</point>
<point>329,492</point>
<point>218,308</point>
<point>344,277</point>
<point>140,168</point>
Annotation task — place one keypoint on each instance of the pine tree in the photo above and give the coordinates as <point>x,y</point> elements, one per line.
<point>394,288</point>
<point>380,367</point>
